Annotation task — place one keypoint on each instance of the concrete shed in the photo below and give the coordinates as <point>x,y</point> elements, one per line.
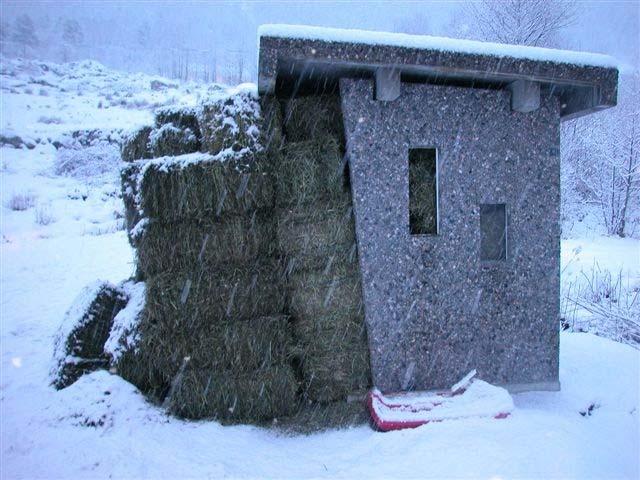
<point>453,149</point>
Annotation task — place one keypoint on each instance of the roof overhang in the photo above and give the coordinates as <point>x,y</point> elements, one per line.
<point>296,56</point>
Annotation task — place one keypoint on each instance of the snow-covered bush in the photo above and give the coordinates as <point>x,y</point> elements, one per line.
<point>21,201</point>
<point>89,163</point>
<point>89,138</point>
<point>10,138</point>
<point>79,343</point>
<point>603,303</point>
<point>44,215</point>
<point>50,120</point>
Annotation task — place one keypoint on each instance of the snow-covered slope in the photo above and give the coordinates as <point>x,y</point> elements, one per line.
<point>70,192</point>
<point>69,234</point>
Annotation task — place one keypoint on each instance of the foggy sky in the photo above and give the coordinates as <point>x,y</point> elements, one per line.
<point>111,29</point>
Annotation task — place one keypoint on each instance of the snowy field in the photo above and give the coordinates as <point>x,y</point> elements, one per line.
<point>69,233</point>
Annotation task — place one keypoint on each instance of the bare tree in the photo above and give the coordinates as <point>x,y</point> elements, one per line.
<point>235,67</point>
<point>25,33</point>
<point>72,37</point>
<point>521,22</point>
<point>602,165</point>
<point>72,32</point>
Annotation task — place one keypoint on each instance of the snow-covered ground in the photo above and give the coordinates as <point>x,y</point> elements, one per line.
<point>69,234</point>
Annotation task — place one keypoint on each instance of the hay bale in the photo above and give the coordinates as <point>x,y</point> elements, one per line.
<point>318,239</point>
<point>311,117</point>
<point>332,260</point>
<point>209,295</point>
<point>309,172</point>
<point>231,123</point>
<point>205,243</point>
<point>236,346</point>
<point>126,358</point>
<point>181,117</point>
<point>315,417</point>
<point>79,343</point>
<point>129,183</point>
<point>172,190</point>
<point>334,355</point>
<point>271,124</point>
<point>316,294</point>
<point>315,228</point>
<point>331,330</point>
<point>124,334</point>
<point>141,370</point>
<point>170,139</point>
<point>333,375</point>
<point>422,188</point>
<point>136,145</point>
<point>252,397</point>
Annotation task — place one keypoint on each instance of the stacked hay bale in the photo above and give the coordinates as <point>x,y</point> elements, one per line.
<point>79,342</point>
<point>214,337</point>
<point>316,235</point>
<point>248,253</point>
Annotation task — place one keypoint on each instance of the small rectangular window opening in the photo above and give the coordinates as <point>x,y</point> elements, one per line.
<point>423,191</point>
<point>493,231</point>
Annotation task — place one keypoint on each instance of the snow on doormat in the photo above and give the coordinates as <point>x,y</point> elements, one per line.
<point>467,399</point>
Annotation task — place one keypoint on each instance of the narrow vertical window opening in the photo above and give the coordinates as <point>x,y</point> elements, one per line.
<point>423,191</point>
<point>493,231</point>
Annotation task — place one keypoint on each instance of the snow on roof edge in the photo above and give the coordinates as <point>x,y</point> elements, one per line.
<point>327,34</point>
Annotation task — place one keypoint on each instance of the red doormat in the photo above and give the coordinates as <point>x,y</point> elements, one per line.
<point>469,398</point>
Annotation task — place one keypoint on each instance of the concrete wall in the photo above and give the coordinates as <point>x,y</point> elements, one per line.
<point>433,310</point>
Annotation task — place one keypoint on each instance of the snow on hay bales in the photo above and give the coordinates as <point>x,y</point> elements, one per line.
<point>129,181</point>
<point>202,186</point>
<point>79,343</point>
<point>124,334</point>
<point>172,140</point>
<point>181,117</point>
<point>135,145</point>
<point>231,123</point>
<point>176,132</point>
<point>213,338</point>
<point>253,298</point>
<point>122,347</point>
